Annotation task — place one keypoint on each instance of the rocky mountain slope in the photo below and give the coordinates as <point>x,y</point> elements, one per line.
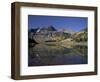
<point>81,36</point>
<point>51,34</point>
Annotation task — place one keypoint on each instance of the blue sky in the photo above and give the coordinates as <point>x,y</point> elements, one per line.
<point>59,22</point>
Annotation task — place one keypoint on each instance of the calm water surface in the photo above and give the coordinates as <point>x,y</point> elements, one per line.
<point>43,55</point>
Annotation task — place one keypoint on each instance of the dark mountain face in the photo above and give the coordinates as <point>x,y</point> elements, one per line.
<point>33,30</point>
<point>46,29</point>
<point>51,28</point>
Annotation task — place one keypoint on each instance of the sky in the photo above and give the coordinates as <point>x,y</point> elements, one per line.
<point>59,22</point>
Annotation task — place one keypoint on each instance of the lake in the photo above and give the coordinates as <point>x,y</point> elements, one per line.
<point>44,55</point>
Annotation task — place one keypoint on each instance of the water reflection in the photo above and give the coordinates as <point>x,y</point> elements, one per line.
<point>42,55</point>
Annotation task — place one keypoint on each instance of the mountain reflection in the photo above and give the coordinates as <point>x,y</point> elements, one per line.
<point>43,55</point>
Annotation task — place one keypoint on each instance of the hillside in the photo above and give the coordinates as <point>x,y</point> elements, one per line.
<point>51,34</point>
<point>81,36</point>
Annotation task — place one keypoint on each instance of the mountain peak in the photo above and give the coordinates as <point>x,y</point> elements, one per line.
<point>46,29</point>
